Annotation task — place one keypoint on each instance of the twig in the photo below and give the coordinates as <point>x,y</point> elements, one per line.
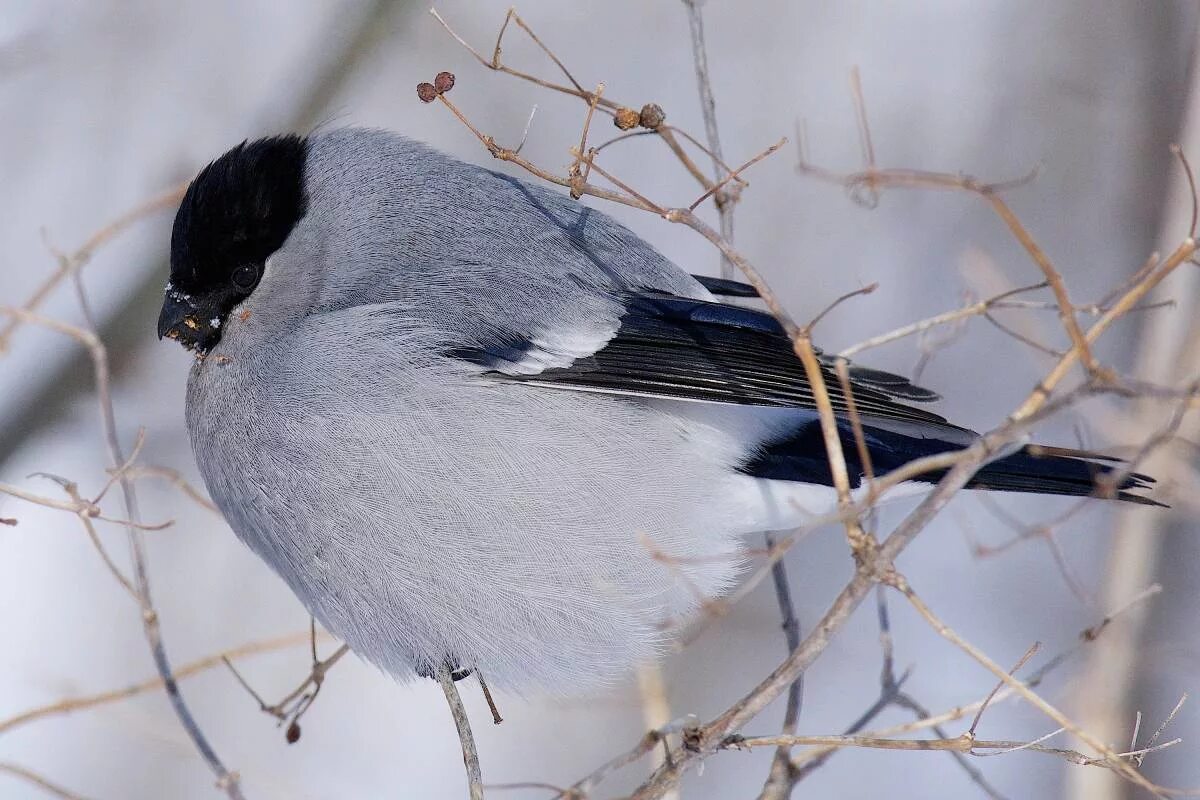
<point>583,787</point>
<point>891,694</point>
<point>578,175</point>
<point>86,336</point>
<point>1107,756</point>
<point>964,744</point>
<point>735,174</point>
<point>1150,745</point>
<point>665,132</point>
<point>495,64</point>
<point>71,264</point>
<point>868,289</point>
<point>465,737</point>
<point>991,695</point>
<point>656,708</point>
<point>504,154</point>
<point>227,781</point>
<point>296,702</point>
<point>1179,256</point>
<point>173,477</point>
<point>883,178</point>
<point>528,125</point>
<point>708,107</point>
<point>935,721</point>
<point>113,569</point>
<point>842,368</point>
<point>1044,531</point>
<point>1177,151</point>
<point>973,309</point>
<point>183,672</point>
<point>781,777</point>
<point>46,785</point>
<point>487,696</point>
<point>864,131</point>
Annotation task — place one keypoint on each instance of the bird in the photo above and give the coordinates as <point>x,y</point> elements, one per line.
<point>476,425</point>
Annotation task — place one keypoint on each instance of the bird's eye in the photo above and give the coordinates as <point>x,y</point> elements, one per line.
<point>245,277</point>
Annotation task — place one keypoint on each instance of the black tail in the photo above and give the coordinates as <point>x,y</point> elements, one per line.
<point>800,456</point>
<point>1056,470</point>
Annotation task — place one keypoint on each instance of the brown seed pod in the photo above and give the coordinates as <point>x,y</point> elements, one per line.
<point>293,732</point>
<point>626,118</point>
<point>426,92</point>
<point>444,82</point>
<point>652,116</point>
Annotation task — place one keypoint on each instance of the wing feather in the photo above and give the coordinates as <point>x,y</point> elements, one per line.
<point>687,349</point>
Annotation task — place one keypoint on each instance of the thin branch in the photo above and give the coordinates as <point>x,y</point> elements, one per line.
<point>735,174</point>
<point>99,356</point>
<point>41,782</point>
<point>928,721</point>
<point>1191,182</point>
<point>991,695</point>
<point>781,777</point>
<point>583,787</point>
<point>1150,745</point>
<point>295,703</point>
<point>227,781</point>
<point>465,737</point>
<point>708,107</point>
<point>183,672</point>
<point>884,178</point>
<point>973,309</point>
<point>577,174</point>
<point>173,477</point>
<point>824,312</point>
<point>1108,757</point>
<point>72,263</point>
<point>864,133</point>
<point>487,696</point>
<point>665,132</point>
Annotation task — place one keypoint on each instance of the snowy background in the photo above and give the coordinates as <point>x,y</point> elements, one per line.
<point>108,102</point>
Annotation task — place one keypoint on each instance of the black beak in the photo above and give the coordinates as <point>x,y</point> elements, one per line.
<point>171,318</point>
<point>182,321</point>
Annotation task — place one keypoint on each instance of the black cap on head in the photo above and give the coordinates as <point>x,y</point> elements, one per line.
<point>237,212</point>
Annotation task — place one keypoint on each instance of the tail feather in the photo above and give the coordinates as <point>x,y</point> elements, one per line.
<point>1036,469</point>
<point>1060,471</point>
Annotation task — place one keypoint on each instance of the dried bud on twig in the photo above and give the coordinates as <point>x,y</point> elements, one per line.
<point>293,730</point>
<point>652,116</point>
<point>626,118</point>
<point>426,92</point>
<point>444,82</point>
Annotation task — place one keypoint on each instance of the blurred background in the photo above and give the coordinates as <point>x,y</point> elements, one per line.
<point>109,102</point>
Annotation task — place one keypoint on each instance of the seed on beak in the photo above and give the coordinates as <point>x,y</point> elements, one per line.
<point>191,323</point>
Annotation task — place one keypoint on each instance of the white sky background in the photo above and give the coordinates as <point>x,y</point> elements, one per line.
<point>107,103</point>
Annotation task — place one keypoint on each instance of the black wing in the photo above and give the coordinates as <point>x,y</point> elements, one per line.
<point>723,287</point>
<point>688,349</point>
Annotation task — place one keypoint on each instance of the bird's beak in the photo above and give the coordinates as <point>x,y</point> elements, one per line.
<point>171,318</point>
<point>182,321</point>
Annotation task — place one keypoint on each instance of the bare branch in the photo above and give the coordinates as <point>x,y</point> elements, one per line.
<point>183,672</point>
<point>45,784</point>
<point>465,737</point>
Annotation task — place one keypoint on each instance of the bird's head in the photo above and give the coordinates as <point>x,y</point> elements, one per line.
<point>237,212</point>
